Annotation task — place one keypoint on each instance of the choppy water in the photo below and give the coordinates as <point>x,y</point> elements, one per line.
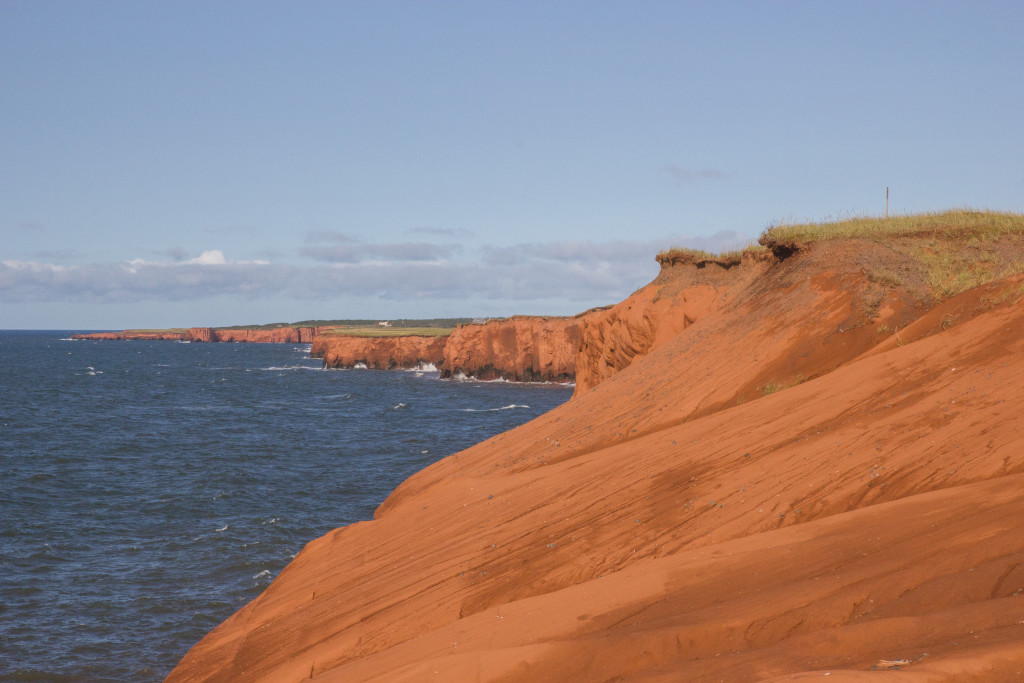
<point>150,489</point>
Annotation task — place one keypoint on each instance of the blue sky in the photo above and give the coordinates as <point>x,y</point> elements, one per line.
<point>193,163</point>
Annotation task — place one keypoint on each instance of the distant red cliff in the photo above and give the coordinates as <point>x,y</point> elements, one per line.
<point>284,335</point>
<point>135,335</point>
<point>279,335</point>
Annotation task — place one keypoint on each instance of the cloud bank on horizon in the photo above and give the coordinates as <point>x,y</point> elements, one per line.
<point>571,271</point>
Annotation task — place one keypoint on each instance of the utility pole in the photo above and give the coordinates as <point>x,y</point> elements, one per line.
<point>886,202</point>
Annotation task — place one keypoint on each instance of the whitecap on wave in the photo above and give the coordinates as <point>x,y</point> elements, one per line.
<point>399,406</point>
<point>359,366</point>
<point>511,406</point>
<point>278,368</point>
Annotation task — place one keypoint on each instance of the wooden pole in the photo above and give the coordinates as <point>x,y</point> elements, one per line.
<point>886,202</point>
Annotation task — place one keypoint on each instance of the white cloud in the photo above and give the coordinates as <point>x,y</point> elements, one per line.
<point>214,257</point>
<point>33,266</point>
<point>585,272</point>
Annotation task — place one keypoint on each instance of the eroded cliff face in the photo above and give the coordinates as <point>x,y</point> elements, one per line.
<point>684,292</point>
<point>519,349</point>
<point>201,334</point>
<point>279,335</point>
<point>812,474</point>
<point>378,353</point>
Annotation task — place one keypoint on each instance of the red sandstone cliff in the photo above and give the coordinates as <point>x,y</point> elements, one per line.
<point>797,473</point>
<point>286,335</point>
<point>685,291</point>
<point>132,335</point>
<point>379,353</point>
<point>279,335</point>
<point>520,349</point>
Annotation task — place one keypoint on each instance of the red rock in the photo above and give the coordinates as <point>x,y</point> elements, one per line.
<point>519,349</point>
<point>279,335</point>
<point>132,335</point>
<point>282,335</point>
<point>768,483</point>
<point>380,353</point>
<point>201,334</point>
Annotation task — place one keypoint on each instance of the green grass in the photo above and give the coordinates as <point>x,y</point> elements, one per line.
<point>955,249</point>
<point>955,223</point>
<point>392,331</point>
<point>401,323</point>
<point>167,330</point>
<point>687,254</point>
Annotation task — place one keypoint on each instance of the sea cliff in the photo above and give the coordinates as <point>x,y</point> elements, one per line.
<point>792,465</point>
<point>280,335</point>
<point>519,349</point>
<point>379,353</point>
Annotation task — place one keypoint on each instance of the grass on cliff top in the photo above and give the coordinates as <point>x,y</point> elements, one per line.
<point>955,250</point>
<point>952,224</point>
<point>166,330</point>
<point>375,331</point>
<point>402,323</point>
<point>955,223</point>
<point>696,255</point>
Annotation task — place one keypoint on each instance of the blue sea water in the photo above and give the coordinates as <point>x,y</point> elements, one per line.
<point>148,490</point>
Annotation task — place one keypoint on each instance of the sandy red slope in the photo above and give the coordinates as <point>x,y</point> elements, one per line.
<point>674,523</point>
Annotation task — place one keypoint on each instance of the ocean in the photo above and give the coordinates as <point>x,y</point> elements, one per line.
<point>148,490</point>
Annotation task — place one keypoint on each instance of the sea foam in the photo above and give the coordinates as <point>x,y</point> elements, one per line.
<point>511,406</point>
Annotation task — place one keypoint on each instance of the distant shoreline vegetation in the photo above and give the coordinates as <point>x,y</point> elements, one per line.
<point>395,331</point>
<point>402,323</point>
